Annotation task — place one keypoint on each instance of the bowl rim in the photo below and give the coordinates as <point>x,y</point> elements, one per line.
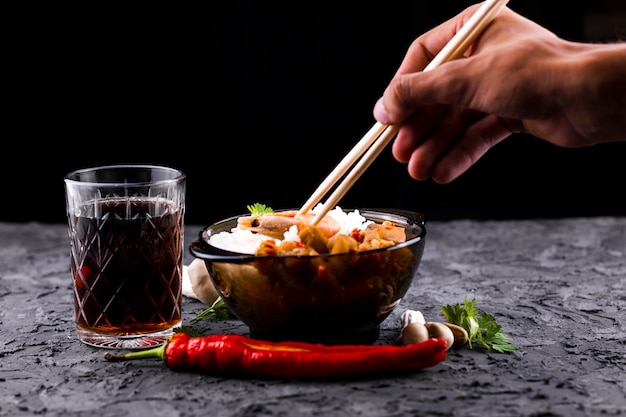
<point>200,248</point>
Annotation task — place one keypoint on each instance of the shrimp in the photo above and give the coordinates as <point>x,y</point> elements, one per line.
<point>275,224</point>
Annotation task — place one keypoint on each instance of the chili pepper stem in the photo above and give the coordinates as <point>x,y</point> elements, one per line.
<point>157,352</point>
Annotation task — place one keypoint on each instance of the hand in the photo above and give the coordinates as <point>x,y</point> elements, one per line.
<point>517,77</point>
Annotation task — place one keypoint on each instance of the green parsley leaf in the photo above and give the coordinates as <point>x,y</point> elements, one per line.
<point>481,327</point>
<point>257,209</point>
<point>187,330</point>
<point>218,310</point>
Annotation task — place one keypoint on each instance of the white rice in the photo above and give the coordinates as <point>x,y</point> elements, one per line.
<point>237,240</point>
<point>244,241</point>
<point>348,221</point>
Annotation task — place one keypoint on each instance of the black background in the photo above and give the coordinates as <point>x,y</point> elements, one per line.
<point>257,102</point>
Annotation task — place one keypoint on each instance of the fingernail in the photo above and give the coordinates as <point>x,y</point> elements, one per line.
<point>380,113</point>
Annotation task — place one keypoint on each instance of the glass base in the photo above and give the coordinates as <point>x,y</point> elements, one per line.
<point>135,342</point>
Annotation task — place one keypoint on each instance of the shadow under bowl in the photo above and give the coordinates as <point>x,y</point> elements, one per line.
<point>327,298</point>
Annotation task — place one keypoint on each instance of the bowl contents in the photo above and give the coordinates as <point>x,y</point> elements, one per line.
<point>311,285</point>
<point>273,233</point>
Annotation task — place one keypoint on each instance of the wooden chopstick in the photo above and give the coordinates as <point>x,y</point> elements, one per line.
<point>385,137</point>
<point>379,135</point>
<point>468,32</point>
<point>349,160</point>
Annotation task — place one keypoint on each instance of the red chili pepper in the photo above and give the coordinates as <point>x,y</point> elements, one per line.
<point>236,355</point>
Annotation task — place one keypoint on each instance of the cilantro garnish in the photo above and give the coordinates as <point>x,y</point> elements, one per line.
<point>481,327</point>
<point>257,209</point>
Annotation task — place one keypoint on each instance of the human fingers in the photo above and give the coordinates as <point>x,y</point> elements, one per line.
<point>415,130</point>
<point>451,126</point>
<point>479,137</point>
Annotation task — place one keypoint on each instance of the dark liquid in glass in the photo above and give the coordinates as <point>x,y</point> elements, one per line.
<point>127,264</point>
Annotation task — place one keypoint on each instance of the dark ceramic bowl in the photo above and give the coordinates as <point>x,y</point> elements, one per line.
<point>286,297</point>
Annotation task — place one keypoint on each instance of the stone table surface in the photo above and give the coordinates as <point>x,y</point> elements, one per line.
<point>557,287</point>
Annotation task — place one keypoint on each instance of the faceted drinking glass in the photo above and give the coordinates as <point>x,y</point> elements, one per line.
<point>126,238</point>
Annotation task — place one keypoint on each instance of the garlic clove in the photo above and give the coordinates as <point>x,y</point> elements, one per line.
<point>440,331</point>
<point>460,334</point>
<point>413,333</point>
<point>201,283</point>
<point>411,316</point>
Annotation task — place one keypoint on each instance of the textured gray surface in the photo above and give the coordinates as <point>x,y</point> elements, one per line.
<point>557,287</point>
